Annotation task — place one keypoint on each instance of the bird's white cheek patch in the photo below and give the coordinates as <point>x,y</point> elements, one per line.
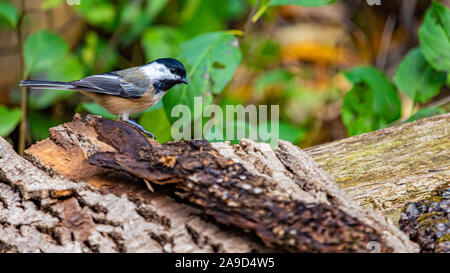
<point>156,71</point>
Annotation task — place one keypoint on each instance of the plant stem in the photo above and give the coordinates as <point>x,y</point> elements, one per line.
<point>248,23</point>
<point>440,102</point>
<point>386,40</point>
<point>23,106</point>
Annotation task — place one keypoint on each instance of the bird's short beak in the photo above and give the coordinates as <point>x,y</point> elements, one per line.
<point>185,81</point>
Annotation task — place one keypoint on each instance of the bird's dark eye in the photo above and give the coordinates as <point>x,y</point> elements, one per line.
<point>173,70</point>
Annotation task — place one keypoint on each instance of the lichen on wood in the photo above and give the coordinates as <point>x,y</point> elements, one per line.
<point>428,221</point>
<point>385,169</point>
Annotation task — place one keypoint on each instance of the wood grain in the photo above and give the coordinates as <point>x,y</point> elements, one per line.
<point>388,168</point>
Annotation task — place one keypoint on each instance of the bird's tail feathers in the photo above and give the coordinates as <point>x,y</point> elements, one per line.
<point>47,85</point>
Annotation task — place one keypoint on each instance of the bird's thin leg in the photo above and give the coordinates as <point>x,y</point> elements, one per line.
<point>125,118</point>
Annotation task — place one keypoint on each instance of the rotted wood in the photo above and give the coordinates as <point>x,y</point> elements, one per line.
<point>212,197</point>
<point>388,168</point>
<point>231,194</point>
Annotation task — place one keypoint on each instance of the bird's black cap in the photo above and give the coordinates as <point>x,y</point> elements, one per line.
<point>174,65</point>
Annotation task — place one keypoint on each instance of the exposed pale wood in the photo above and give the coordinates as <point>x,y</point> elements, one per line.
<point>388,168</point>
<point>42,212</point>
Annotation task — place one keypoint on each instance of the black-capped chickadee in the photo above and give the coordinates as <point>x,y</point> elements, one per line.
<point>125,92</point>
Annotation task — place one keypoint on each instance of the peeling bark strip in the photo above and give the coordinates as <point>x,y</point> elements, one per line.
<point>231,194</point>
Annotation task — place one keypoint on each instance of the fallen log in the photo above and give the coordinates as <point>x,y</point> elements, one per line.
<point>213,197</point>
<point>386,169</point>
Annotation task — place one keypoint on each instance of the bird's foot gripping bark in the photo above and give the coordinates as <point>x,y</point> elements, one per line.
<point>139,127</point>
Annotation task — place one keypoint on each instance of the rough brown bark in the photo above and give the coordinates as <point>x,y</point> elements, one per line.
<point>283,207</point>
<point>232,195</point>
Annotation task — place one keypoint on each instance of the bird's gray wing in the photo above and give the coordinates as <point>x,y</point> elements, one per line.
<point>110,84</point>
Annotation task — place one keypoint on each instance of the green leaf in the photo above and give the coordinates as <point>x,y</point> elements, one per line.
<point>241,126</point>
<point>154,8</point>
<point>373,102</point>
<point>9,119</point>
<point>161,42</point>
<point>357,111</point>
<point>40,125</point>
<point>42,50</point>
<point>426,113</point>
<point>386,101</point>
<point>51,4</point>
<point>434,36</point>
<point>417,79</point>
<point>90,49</point>
<point>95,54</point>
<point>9,14</point>
<point>291,133</point>
<point>306,3</point>
<point>156,121</point>
<point>236,9</point>
<point>130,13</point>
<point>288,132</point>
<point>98,110</point>
<point>189,10</point>
<point>43,99</point>
<point>100,13</point>
<point>199,16</point>
<point>183,95</point>
<point>95,109</point>
<point>211,61</point>
<point>144,19</point>
<point>68,69</point>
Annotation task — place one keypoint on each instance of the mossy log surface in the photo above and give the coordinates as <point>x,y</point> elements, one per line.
<point>388,168</point>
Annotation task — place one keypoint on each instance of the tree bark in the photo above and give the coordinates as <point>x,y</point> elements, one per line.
<point>386,169</point>
<point>84,190</point>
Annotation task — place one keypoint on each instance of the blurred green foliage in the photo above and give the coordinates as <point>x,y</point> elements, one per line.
<point>42,51</point>
<point>273,78</point>
<point>373,103</point>
<point>417,78</point>
<point>426,112</point>
<point>207,37</point>
<point>9,119</point>
<point>434,36</point>
<point>211,60</point>
<point>9,15</point>
<point>306,3</point>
